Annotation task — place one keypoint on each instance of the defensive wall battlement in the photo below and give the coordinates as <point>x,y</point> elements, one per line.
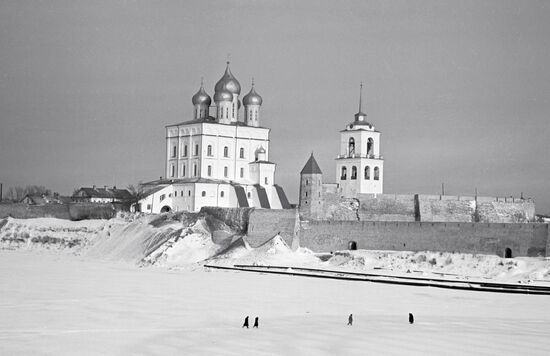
<point>523,239</point>
<point>418,207</point>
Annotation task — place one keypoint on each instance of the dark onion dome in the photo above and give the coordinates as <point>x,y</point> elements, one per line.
<point>228,83</point>
<point>223,95</point>
<point>252,98</point>
<point>201,98</point>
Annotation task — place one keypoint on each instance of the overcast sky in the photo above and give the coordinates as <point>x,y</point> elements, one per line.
<point>459,89</point>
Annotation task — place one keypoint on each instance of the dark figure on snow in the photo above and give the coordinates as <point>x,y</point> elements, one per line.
<point>256,323</point>
<point>350,319</point>
<point>411,318</point>
<point>245,325</point>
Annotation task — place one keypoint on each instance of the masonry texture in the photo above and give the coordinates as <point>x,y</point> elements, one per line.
<point>488,238</point>
<point>416,207</point>
<point>263,224</point>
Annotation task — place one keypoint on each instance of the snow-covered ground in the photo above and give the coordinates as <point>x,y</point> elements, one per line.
<point>54,304</point>
<point>137,285</point>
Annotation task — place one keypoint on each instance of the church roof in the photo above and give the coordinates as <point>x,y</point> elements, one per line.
<point>311,166</point>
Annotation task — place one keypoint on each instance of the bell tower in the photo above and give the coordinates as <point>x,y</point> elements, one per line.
<point>359,165</point>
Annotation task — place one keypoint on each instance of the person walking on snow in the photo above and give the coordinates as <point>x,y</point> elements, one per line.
<point>255,323</point>
<point>245,325</point>
<point>350,319</point>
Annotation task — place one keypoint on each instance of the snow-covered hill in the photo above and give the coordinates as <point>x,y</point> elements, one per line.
<point>185,242</point>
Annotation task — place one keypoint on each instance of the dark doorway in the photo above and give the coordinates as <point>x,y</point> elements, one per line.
<point>352,245</point>
<point>165,209</point>
<point>508,252</point>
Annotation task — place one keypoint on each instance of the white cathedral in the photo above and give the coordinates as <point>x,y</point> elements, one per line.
<point>217,160</point>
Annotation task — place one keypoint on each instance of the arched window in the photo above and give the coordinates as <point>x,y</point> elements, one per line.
<point>226,151</point>
<point>185,151</point>
<point>195,170</point>
<point>174,151</point>
<point>266,181</point>
<point>307,181</point>
<point>210,171</point>
<point>242,172</point>
<point>209,150</point>
<point>248,195</point>
<point>241,152</point>
<point>196,150</point>
<point>233,110</point>
<point>188,193</point>
<point>370,146</point>
<point>367,172</point>
<point>203,193</point>
<point>376,173</point>
<point>225,171</point>
<point>353,172</point>
<point>351,146</point>
<point>221,194</point>
<point>306,194</point>
<point>183,170</point>
<point>172,170</point>
<point>344,173</point>
<point>226,112</point>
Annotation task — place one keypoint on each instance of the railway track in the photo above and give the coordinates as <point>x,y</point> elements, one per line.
<point>479,286</point>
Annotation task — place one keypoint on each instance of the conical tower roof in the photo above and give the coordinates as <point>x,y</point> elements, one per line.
<point>311,166</point>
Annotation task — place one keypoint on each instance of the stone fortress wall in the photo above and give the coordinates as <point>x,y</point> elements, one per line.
<point>408,223</point>
<point>417,207</point>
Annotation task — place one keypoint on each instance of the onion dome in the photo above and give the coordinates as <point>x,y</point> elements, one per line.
<point>252,98</point>
<point>228,83</point>
<point>201,98</point>
<point>223,96</point>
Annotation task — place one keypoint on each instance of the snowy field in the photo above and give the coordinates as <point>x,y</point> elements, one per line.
<point>60,304</point>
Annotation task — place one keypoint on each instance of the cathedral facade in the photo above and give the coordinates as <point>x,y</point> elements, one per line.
<point>217,158</point>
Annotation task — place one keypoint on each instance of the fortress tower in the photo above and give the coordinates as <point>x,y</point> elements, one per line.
<point>359,166</point>
<point>311,188</point>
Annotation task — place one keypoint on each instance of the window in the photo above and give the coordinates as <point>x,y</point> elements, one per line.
<point>203,193</point>
<point>226,151</point>
<point>241,152</point>
<point>351,146</point>
<point>233,110</point>
<point>196,150</point>
<point>266,180</point>
<point>367,172</point>
<point>172,170</point>
<point>225,171</point>
<point>353,172</point>
<point>376,173</point>
<point>221,194</point>
<point>148,206</point>
<point>242,172</point>
<point>248,195</point>
<point>344,173</point>
<point>370,146</point>
<point>306,194</point>
<point>195,170</point>
<point>307,181</point>
<point>183,170</point>
<point>209,150</point>
<point>226,112</point>
<point>185,151</point>
<point>210,171</point>
<point>174,151</point>
<point>189,193</point>
<point>162,197</point>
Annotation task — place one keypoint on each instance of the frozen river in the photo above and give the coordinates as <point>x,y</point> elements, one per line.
<point>64,305</point>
